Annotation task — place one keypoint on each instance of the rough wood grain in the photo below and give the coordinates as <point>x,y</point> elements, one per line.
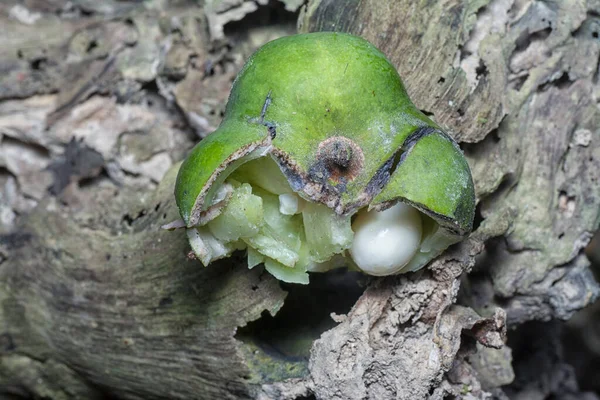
<point>124,309</point>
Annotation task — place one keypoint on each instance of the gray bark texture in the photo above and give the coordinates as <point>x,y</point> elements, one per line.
<point>100,100</point>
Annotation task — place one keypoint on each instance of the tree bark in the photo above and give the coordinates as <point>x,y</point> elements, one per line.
<point>98,301</point>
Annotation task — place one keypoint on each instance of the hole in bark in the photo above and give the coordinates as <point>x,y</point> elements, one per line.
<point>90,181</point>
<point>284,340</point>
<point>37,64</point>
<point>578,338</point>
<point>441,80</point>
<point>129,220</point>
<point>272,14</point>
<point>518,82</point>
<point>525,40</point>
<point>561,83</point>
<point>481,69</point>
<point>538,355</point>
<point>494,135</point>
<point>165,301</point>
<point>86,12</point>
<point>478,217</point>
<point>91,46</point>
<point>152,88</point>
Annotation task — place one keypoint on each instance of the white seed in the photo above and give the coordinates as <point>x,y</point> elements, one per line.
<point>385,241</point>
<point>289,204</point>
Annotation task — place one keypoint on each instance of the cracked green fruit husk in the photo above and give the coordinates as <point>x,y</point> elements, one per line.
<point>322,161</point>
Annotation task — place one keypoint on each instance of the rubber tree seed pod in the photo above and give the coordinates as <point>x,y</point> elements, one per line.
<point>325,116</point>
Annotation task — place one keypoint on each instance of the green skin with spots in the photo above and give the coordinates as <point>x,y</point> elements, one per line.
<point>296,92</point>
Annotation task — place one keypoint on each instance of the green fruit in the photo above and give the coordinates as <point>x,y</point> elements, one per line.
<point>331,112</point>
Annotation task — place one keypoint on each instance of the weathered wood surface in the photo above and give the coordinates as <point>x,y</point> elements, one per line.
<point>98,301</point>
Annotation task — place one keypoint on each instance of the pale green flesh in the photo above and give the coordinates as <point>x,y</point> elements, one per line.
<point>314,239</point>
<point>283,273</point>
<point>288,245</point>
<point>242,218</point>
<point>262,172</point>
<point>327,234</point>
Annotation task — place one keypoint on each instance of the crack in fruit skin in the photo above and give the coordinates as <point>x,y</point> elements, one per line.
<point>342,133</point>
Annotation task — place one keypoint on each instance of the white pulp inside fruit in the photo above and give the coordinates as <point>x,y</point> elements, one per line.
<point>292,236</point>
<point>385,241</point>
